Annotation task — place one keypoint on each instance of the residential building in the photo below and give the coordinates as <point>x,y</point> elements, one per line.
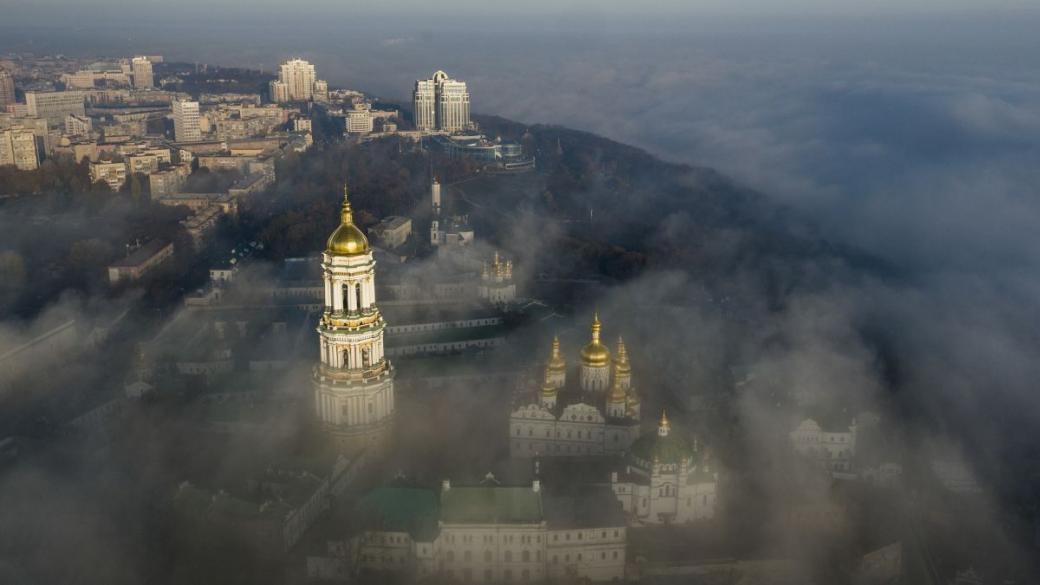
<point>441,103</point>
<point>18,148</point>
<point>359,120</point>
<point>169,181</point>
<point>112,173</point>
<point>79,126</point>
<point>140,262</point>
<point>297,82</point>
<point>186,121</point>
<point>54,106</point>
<point>7,95</point>
<point>142,73</point>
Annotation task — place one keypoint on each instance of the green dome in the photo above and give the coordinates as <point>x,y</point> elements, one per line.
<point>669,449</point>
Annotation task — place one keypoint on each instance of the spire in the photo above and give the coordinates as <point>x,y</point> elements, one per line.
<point>664,427</point>
<point>595,327</point>
<point>621,364</point>
<point>556,361</point>
<point>346,214</point>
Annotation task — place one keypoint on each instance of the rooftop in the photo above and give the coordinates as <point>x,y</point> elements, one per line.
<point>491,504</point>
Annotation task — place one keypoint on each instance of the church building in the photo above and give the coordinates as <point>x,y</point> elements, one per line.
<point>667,479</point>
<point>593,411</point>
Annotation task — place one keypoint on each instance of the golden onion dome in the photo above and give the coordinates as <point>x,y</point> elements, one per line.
<point>548,388</point>
<point>556,361</point>
<point>595,353</point>
<point>617,393</point>
<point>348,239</point>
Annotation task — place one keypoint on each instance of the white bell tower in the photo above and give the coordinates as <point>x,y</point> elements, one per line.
<point>354,383</point>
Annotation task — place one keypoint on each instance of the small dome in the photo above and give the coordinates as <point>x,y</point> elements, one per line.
<point>595,353</point>
<point>348,239</point>
<point>556,361</point>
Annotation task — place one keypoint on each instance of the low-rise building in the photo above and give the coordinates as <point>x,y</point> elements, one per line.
<point>392,231</point>
<point>667,479</point>
<point>169,181</point>
<point>140,262</point>
<point>491,533</point>
<point>111,173</point>
<point>833,446</point>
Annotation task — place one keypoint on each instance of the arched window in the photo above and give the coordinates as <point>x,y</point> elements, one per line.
<point>346,358</point>
<point>344,295</point>
<point>357,290</point>
<point>366,358</point>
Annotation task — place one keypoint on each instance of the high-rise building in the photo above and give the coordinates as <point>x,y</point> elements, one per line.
<point>54,106</point>
<point>298,82</point>
<point>142,72</point>
<point>18,148</point>
<point>186,121</point>
<point>441,103</point>
<point>6,89</point>
<point>354,383</point>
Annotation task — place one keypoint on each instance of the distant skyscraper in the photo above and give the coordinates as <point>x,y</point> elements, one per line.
<point>297,82</point>
<point>142,72</point>
<point>186,121</point>
<point>6,89</point>
<point>441,103</point>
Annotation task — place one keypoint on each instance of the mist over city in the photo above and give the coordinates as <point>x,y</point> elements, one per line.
<point>707,293</point>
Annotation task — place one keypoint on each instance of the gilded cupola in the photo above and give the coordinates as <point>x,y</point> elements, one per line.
<point>348,239</point>
<point>595,353</point>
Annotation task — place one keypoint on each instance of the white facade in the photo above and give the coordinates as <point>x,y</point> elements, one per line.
<point>666,481</point>
<point>496,282</point>
<point>55,105</point>
<point>359,120</point>
<point>18,148</point>
<point>834,449</point>
<point>593,417</point>
<point>112,173</point>
<point>186,121</point>
<point>298,82</point>
<point>441,103</point>
<point>142,73</point>
<point>354,383</point>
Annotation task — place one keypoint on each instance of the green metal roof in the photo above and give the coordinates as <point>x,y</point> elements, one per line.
<point>670,449</point>
<point>400,509</point>
<point>490,505</point>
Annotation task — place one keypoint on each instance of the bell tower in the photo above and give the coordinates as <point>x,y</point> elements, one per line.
<point>354,382</point>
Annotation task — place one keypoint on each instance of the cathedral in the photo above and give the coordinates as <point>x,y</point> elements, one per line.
<point>595,412</point>
<point>354,383</point>
<point>667,479</point>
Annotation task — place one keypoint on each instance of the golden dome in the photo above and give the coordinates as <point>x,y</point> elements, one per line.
<point>621,363</point>
<point>548,388</point>
<point>595,353</point>
<point>347,240</point>
<point>556,362</point>
<point>617,393</point>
